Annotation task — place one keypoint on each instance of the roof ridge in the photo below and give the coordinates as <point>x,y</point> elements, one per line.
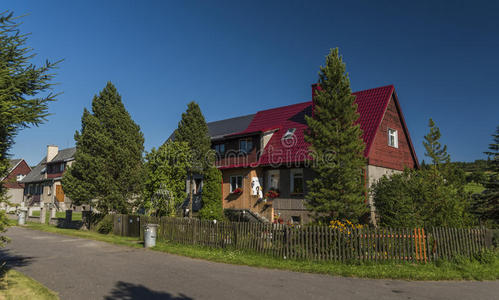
<point>244,116</point>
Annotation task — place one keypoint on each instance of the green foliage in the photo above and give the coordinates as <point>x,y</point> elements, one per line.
<point>193,130</point>
<point>212,195</point>
<point>487,205</point>
<point>418,198</point>
<point>105,225</point>
<point>108,167</point>
<point>434,149</point>
<point>166,169</point>
<point>338,190</point>
<point>20,83</point>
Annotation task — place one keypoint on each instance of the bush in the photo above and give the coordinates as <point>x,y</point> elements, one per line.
<point>419,198</point>
<point>106,225</point>
<point>212,196</point>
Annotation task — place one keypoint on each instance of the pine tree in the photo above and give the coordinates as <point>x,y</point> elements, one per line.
<point>212,195</point>
<point>108,168</point>
<point>20,83</point>
<point>434,149</point>
<point>335,137</point>
<point>193,130</point>
<point>487,206</point>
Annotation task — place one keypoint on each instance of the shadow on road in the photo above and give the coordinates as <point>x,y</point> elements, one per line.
<point>129,291</point>
<point>14,260</point>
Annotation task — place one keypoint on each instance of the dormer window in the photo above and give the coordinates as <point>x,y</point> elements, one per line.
<point>245,145</point>
<point>393,138</point>
<point>289,133</point>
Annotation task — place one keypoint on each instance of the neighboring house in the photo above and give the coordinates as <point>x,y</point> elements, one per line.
<point>268,150</point>
<point>18,169</point>
<point>43,183</point>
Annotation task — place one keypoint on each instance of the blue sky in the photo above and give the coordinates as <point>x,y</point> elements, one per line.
<point>236,58</point>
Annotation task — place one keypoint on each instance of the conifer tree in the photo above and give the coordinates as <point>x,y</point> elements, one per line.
<point>487,206</point>
<point>212,195</point>
<point>108,168</point>
<point>434,149</point>
<point>193,130</point>
<point>20,84</point>
<point>335,137</point>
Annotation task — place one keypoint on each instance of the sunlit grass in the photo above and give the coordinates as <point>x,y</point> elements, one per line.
<point>15,285</point>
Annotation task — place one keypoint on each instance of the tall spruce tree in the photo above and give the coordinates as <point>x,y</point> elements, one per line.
<point>434,149</point>
<point>108,168</point>
<point>335,137</point>
<point>193,130</point>
<point>20,84</point>
<point>487,206</point>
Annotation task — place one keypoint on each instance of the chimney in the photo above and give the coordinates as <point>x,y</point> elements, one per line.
<point>315,87</point>
<point>51,152</point>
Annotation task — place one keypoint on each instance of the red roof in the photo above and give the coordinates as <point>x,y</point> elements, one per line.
<point>371,107</point>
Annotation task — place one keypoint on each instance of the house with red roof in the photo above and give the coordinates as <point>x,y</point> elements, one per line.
<point>17,170</point>
<point>267,152</point>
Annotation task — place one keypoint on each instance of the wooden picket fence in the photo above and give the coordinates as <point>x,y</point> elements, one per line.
<point>315,242</point>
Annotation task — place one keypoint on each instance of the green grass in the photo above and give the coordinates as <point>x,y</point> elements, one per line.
<point>15,285</point>
<point>60,214</point>
<point>443,270</point>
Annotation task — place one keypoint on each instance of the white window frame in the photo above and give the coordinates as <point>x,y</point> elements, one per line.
<point>237,186</point>
<point>394,133</point>
<point>271,173</point>
<point>292,174</point>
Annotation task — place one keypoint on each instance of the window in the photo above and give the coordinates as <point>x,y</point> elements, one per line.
<point>20,177</point>
<point>296,181</point>
<point>289,133</point>
<point>61,167</point>
<point>393,138</point>
<point>220,148</point>
<point>236,182</point>
<point>245,145</point>
<point>273,180</point>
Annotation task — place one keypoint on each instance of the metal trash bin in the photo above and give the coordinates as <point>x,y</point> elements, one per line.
<point>21,217</point>
<point>150,234</point>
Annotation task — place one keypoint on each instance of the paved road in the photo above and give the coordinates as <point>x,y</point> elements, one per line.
<point>85,269</point>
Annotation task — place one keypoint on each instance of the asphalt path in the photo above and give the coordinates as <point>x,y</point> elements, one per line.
<point>85,269</point>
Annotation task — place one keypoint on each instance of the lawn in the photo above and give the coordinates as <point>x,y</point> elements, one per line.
<point>443,270</point>
<point>16,285</point>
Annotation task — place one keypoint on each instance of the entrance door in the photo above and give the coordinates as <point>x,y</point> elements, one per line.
<point>59,193</point>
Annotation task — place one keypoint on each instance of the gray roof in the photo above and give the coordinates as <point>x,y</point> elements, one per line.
<point>219,129</point>
<point>38,172</point>
<point>64,155</point>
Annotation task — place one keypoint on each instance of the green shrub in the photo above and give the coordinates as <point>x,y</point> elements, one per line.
<point>105,226</point>
<point>486,256</point>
